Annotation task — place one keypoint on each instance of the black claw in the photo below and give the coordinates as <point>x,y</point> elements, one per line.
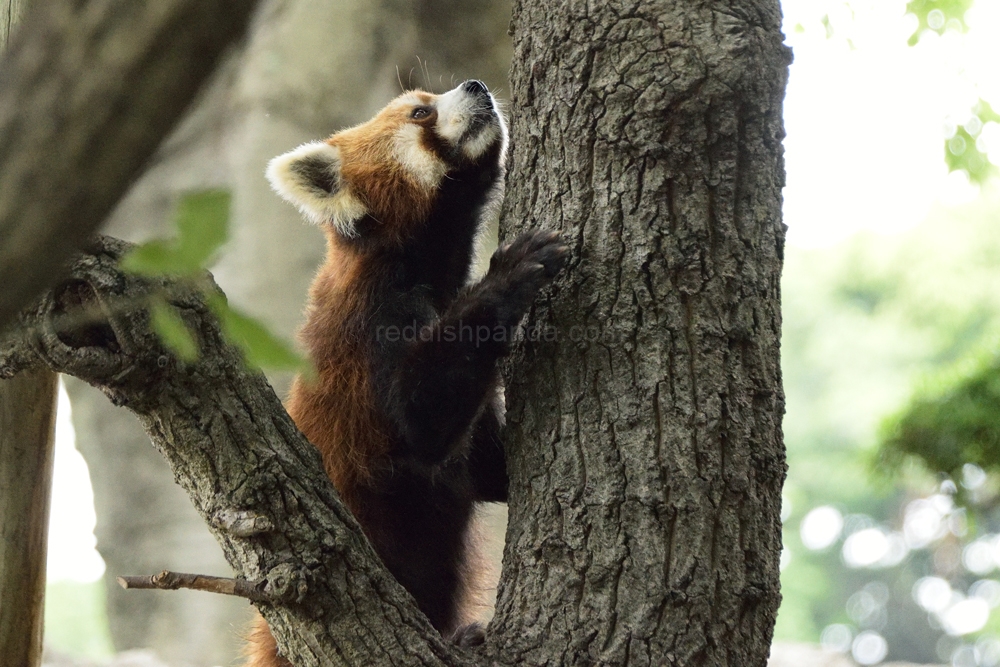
<point>522,267</point>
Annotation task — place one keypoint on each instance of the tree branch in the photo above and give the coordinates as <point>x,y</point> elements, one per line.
<point>87,92</point>
<point>251,474</point>
<point>171,581</point>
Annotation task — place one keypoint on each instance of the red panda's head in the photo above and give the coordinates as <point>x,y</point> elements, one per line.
<point>384,177</point>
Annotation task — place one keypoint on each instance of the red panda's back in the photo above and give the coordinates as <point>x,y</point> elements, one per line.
<point>336,409</point>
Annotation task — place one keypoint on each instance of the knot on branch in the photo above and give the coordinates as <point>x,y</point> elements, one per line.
<point>242,523</point>
<point>95,325</point>
<point>284,583</point>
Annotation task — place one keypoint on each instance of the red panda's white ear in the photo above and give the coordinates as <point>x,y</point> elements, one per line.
<point>309,177</point>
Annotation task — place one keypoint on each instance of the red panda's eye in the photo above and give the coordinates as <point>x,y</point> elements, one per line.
<point>420,112</point>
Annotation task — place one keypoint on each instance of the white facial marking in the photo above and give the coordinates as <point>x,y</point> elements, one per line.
<point>296,176</point>
<point>479,144</point>
<point>409,99</point>
<point>456,109</point>
<point>453,110</point>
<point>422,164</point>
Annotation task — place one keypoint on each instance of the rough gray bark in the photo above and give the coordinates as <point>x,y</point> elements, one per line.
<point>27,439</point>
<point>644,439</point>
<point>87,91</point>
<point>27,449</point>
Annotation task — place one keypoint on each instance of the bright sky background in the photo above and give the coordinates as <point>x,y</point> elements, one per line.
<point>71,523</point>
<point>865,116</point>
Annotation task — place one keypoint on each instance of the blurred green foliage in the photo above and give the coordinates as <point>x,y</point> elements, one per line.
<point>953,420</point>
<point>75,623</point>
<point>827,25</point>
<point>202,221</point>
<point>864,323</point>
<point>965,150</point>
<point>937,15</point>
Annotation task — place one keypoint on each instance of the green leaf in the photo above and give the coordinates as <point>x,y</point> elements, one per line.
<point>202,220</point>
<point>827,25</point>
<point>172,330</point>
<point>985,112</point>
<point>154,258</point>
<point>203,225</point>
<point>261,348</point>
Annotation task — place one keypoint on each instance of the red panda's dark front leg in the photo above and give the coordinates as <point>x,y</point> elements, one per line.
<point>487,462</point>
<point>445,381</point>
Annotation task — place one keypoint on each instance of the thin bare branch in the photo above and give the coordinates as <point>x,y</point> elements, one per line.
<point>171,581</point>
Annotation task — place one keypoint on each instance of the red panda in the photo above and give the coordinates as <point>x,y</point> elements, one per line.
<point>406,408</point>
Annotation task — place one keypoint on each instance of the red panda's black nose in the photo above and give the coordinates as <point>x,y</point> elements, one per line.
<point>475,87</point>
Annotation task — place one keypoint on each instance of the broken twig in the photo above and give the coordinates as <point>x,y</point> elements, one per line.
<point>170,581</point>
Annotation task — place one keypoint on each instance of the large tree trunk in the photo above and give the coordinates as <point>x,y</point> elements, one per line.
<point>644,437</point>
<point>27,448</point>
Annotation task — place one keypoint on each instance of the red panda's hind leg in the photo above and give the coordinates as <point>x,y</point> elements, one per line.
<point>473,634</point>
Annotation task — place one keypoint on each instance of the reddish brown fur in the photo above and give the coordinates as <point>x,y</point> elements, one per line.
<point>337,410</point>
<point>387,189</point>
<point>261,649</point>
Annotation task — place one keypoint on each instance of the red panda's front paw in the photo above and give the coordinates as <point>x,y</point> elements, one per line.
<point>531,251</point>
<point>520,268</point>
